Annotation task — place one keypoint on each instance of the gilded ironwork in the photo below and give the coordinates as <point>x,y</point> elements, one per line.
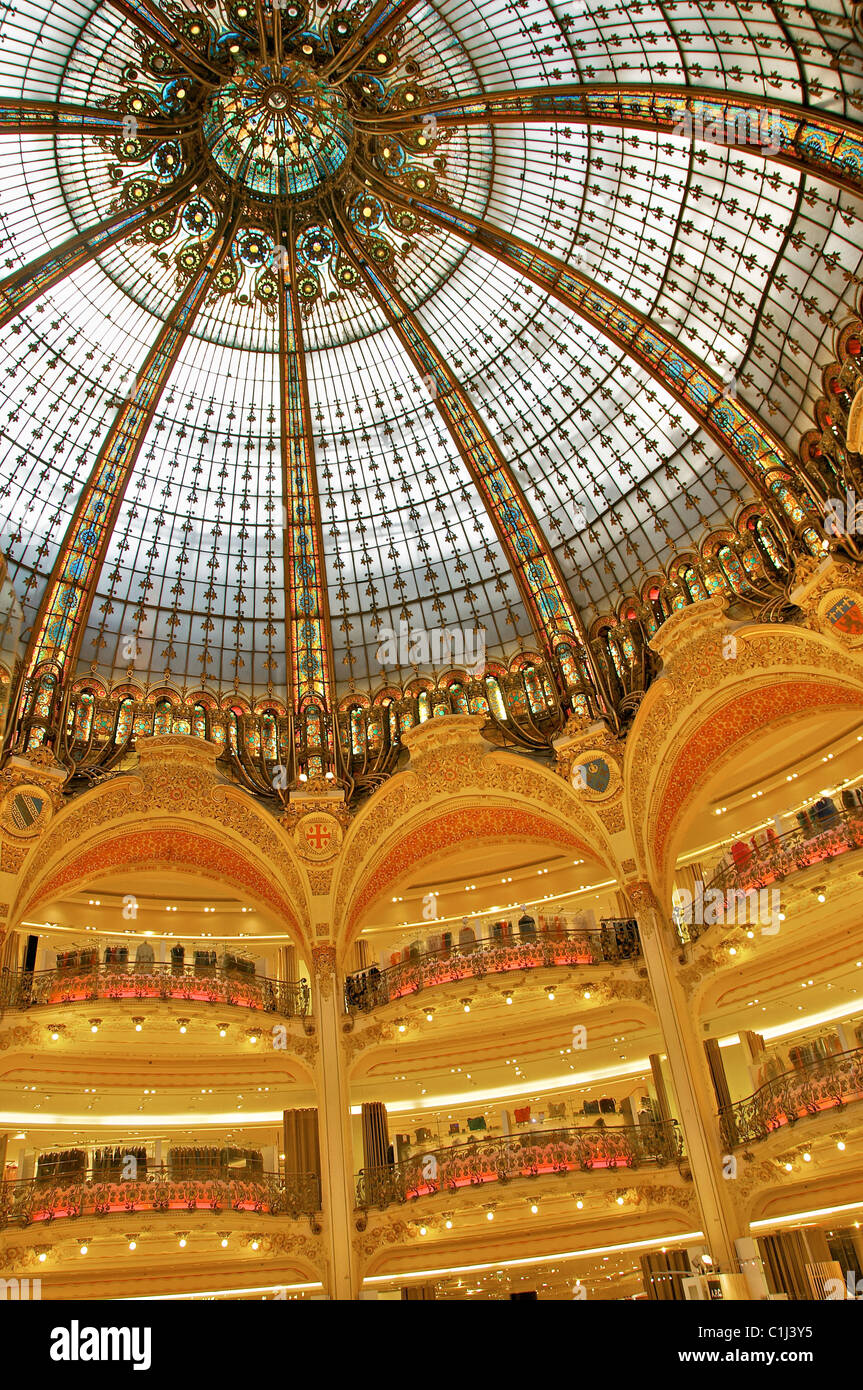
<point>183,983</point>
<point>613,942</point>
<point>826,1084</point>
<point>29,1202</point>
<point>505,1159</point>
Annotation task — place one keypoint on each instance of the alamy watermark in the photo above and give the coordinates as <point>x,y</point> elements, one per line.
<point>757,907</point>
<point>843,516</point>
<point>761,129</point>
<point>412,646</point>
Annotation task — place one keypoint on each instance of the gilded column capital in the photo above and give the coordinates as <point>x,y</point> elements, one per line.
<point>324,967</point>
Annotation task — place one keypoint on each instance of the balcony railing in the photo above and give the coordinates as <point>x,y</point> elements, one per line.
<point>771,862</point>
<point>614,941</point>
<point>824,1084</point>
<point>28,1202</point>
<point>26,990</point>
<point>793,851</point>
<point>519,1156</point>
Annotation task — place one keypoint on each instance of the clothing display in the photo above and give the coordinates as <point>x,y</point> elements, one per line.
<point>113,1165</point>
<point>237,965</point>
<point>70,1165</point>
<point>186,1163</point>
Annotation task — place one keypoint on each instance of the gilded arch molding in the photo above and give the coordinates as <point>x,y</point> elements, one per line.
<point>169,845</point>
<point>160,812</point>
<point>457,785</point>
<point>707,703</point>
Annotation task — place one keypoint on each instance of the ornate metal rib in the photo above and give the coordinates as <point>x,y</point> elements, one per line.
<point>59,626</point>
<point>310,637</point>
<point>540,581</point>
<point>383,17</point>
<point>747,441</point>
<point>153,22</point>
<point>23,286</point>
<point>23,115</point>
<point>828,146</point>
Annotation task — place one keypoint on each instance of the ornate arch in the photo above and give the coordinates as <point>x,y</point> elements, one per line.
<point>721,686</point>
<point>457,788</point>
<point>172,812</point>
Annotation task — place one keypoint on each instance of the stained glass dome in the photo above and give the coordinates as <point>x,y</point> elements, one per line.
<point>279,131</point>
<point>324,322</point>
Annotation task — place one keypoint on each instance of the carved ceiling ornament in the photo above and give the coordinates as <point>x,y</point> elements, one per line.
<point>320,881</point>
<point>356,1041</point>
<point>317,836</point>
<point>324,968</point>
<point>12,856</point>
<point>680,733</point>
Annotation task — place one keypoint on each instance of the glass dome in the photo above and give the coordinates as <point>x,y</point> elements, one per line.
<point>324,321</point>
<point>281,132</point>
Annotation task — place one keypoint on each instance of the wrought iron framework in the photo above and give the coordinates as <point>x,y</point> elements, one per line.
<point>287,126</point>
<point>551,1153</point>
<point>827,1084</point>
<point>614,942</point>
<point>28,989</point>
<point>30,1203</point>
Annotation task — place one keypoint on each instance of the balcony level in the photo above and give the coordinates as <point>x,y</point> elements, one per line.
<point>505,1159</point>
<point>35,1202</point>
<point>96,982</point>
<point>615,941</point>
<point>819,1086</point>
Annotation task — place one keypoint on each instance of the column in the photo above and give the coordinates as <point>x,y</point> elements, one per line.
<point>286,967</point>
<point>337,1176</point>
<point>301,1145</point>
<point>691,1081</point>
<point>376,1137</point>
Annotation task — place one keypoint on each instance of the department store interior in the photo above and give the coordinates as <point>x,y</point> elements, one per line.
<point>330,971</point>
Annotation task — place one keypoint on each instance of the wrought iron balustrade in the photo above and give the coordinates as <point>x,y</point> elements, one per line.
<point>31,1201</point>
<point>827,1083</point>
<point>26,990</point>
<point>508,1157</point>
<point>611,943</point>
<point>795,850</point>
<point>774,860</point>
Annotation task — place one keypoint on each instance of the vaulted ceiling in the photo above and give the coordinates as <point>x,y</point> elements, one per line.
<point>305,472</point>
